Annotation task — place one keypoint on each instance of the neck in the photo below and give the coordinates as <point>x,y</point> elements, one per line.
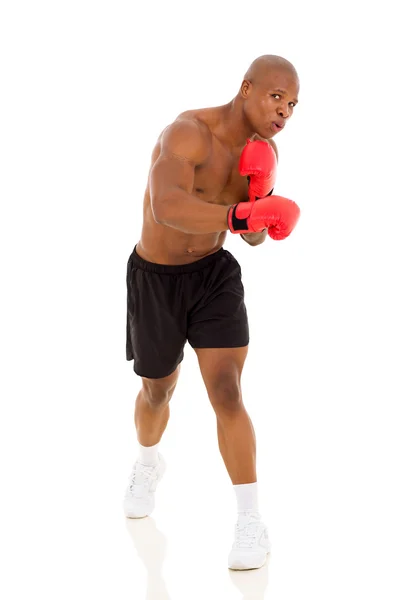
<point>234,129</point>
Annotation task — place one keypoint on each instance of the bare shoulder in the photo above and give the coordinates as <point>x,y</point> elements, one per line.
<point>187,138</point>
<point>270,142</point>
<point>273,144</point>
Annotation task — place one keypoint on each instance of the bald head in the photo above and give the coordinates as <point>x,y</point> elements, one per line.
<point>268,94</point>
<point>263,65</point>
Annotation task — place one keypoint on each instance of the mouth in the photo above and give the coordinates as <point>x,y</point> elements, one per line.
<point>278,125</point>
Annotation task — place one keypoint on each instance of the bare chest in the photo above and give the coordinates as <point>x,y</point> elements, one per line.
<point>219,181</point>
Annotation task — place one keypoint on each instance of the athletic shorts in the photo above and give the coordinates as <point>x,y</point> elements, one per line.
<point>167,305</point>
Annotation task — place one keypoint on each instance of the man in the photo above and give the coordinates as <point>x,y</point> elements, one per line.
<point>212,170</point>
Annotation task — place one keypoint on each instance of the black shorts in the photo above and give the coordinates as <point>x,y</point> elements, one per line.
<point>202,303</point>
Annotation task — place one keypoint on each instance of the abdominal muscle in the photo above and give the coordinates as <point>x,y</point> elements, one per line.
<point>172,247</point>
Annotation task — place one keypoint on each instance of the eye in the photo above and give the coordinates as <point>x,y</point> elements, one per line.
<point>293,104</point>
<point>276,96</point>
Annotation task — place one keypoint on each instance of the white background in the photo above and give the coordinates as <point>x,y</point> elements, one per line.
<point>86,88</point>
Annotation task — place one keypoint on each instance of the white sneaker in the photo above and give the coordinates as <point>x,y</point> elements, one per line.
<point>139,497</point>
<point>251,545</point>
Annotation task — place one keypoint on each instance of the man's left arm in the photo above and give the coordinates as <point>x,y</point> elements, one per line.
<point>255,239</point>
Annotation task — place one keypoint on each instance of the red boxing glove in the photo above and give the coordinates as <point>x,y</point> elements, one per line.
<point>278,214</point>
<point>258,161</point>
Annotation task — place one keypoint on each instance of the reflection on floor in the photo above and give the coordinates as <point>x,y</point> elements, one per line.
<point>151,547</point>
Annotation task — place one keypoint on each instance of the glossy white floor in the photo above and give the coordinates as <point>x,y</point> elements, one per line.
<point>328,491</point>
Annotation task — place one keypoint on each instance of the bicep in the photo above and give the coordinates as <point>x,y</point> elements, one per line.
<point>168,172</point>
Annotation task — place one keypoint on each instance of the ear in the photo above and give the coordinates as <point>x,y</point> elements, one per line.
<point>245,88</point>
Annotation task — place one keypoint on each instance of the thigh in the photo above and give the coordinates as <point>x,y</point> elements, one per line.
<point>219,318</point>
<point>221,369</point>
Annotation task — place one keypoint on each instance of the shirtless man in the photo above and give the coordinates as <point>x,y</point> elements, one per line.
<point>212,171</point>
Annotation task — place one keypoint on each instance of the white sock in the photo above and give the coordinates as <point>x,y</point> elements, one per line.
<point>247,497</point>
<point>148,455</point>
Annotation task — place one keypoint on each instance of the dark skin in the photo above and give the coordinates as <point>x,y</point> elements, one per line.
<point>193,181</point>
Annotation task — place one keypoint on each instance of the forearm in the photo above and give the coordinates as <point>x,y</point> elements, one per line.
<point>254,239</point>
<point>187,213</point>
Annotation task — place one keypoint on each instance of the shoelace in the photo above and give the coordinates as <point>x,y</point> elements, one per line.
<point>140,479</point>
<point>246,535</point>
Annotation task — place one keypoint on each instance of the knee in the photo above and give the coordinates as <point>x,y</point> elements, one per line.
<point>225,394</point>
<point>157,392</point>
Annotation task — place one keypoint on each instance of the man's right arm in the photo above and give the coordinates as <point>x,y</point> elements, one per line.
<point>184,146</point>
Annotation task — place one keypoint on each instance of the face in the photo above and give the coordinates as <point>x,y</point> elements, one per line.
<point>269,103</point>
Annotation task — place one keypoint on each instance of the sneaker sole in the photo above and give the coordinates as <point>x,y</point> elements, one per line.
<point>241,566</point>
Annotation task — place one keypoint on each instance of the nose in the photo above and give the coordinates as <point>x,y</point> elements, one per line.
<point>283,111</point>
